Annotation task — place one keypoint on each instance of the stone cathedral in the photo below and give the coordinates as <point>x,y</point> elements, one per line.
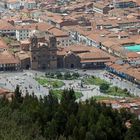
<point>43,53</point>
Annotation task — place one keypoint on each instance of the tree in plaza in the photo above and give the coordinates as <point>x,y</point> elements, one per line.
<point>125,90</point>
<point>116,88</point>
<point>59,75</point>
<point>51,75</point>
<point>67,75</point>
<point>75,75</point>
<point>46,74</point>
<point>93,76</point>
<point>104,87</point>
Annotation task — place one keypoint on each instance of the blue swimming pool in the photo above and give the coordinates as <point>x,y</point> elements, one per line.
<point>133,48</point>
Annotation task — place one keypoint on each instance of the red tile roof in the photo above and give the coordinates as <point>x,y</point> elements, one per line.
<point>7,58</point>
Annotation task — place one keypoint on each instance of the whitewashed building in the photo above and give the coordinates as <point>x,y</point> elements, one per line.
<point>13,4</point>
<point>22,33</point>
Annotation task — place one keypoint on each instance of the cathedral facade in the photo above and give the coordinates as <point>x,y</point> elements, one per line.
<point>43,53</point>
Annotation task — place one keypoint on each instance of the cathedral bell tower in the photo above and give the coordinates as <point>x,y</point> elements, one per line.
<point>34,52</point>
<point>53,52</point>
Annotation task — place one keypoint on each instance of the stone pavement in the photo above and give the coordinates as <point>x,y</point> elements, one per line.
<point>26,81</point>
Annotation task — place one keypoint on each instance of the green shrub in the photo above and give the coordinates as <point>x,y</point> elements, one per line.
<point>67,75</point>
<point>59,75</point>
<point>75,75</point>
<point>104,87</point>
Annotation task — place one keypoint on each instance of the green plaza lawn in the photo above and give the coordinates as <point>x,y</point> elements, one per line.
<point>93,81</point>
<point>49,82</point>
<point>58,94</point>
<point>115,91</point>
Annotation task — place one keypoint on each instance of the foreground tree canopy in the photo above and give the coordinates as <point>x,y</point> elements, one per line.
<point>47,118</point>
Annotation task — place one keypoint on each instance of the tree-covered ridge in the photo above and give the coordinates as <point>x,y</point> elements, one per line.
<point>30,118</point>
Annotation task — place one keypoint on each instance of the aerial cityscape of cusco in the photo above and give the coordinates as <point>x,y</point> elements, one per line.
<point>69,69</point>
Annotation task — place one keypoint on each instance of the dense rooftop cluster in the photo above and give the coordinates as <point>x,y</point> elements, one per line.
<point>106,28</point>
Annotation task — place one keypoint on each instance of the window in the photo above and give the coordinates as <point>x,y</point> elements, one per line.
<point>34,58</point>
<point>53,45</point>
